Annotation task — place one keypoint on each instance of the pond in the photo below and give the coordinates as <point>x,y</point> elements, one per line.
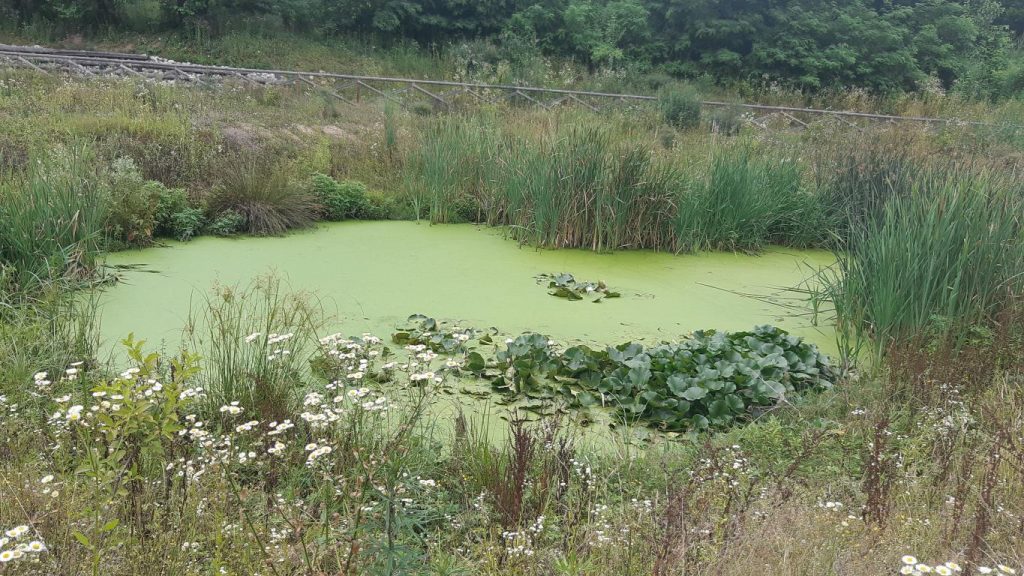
<point>375,274</point>
<point>372,275</point>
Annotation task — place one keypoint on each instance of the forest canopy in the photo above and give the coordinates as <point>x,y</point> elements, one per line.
<point>881,45</point>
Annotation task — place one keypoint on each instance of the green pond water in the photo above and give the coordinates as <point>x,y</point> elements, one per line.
<point>373,275</point>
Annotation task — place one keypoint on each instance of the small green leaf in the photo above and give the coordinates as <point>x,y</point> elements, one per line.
<point>82,539</point>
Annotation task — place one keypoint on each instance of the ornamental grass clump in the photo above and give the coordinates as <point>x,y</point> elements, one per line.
<point>262,191</point>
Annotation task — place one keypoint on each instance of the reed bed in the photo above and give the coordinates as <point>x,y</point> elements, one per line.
<point>581,186</point>
<point>949,252</point>
<point>51,219</point>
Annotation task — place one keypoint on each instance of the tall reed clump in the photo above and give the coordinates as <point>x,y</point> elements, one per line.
<point>261,189</point>
<point>451,169</point>
<point>52,218</point>
<point>746,203</point>
<point>257,341</point>
<point>599,195</point>
<point>570,188</point>
<point>854,183</point>
<point>950,251</point>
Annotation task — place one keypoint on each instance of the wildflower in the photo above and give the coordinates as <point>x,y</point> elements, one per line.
<point>279,428</point>
<point>46,479</point>
<point>75,413</point>
<point>923,568</point>
<point>984,570</point>
<point>318,453</point>
<point>907,569</point>
<point>252,337</point>
<point>943,571</point>
<point>232,408</point>
<point>953,566</point>
<point>6,556</point>
<point>247,426</point>
<point>36,546</point>
<point>1005,569</point>
<point>909,560</point>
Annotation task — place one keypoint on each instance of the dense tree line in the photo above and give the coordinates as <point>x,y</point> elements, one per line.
<point>882,45</point>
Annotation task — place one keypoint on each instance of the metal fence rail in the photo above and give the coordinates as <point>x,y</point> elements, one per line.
<point>351,88</point>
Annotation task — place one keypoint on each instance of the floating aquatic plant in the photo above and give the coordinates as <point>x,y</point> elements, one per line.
<point>564,285</point>
<point>709,380</point>
<point>437,336</point>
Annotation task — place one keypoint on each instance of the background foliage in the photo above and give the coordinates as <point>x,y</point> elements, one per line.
<point>890,46</point>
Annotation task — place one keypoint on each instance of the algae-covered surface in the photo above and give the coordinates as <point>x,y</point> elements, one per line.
<point>370,276</point>
<point>373,275</point>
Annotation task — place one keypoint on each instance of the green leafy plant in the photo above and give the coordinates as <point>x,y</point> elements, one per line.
<point>680,108</point>
<point>175,217</point>
<point>124,436</point>
<point>228,223</point>
<point>187,224</point>
<point>566,286</point>
<point>132,218</point>
<point>712,379</point>
<point>345,200</point>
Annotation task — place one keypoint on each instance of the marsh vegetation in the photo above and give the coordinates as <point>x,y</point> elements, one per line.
<point>281,432</point>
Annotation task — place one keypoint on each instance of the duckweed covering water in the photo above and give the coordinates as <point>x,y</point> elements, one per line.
<point>374,274</point>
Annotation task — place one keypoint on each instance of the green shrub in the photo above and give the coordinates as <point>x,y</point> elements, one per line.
<point>131,220</point>
<point>260,189</point>
<point>228,223</point>
<point>380,207</point>
<point>680,108</point>
<point>170,201</point>
<point>175,217</point>
<point>345,200</point>
<point>187,223</point>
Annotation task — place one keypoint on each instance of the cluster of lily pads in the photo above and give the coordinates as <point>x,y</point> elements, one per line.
<point>435,335</point>
<point>708,380</point>
<point>566,286</point>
